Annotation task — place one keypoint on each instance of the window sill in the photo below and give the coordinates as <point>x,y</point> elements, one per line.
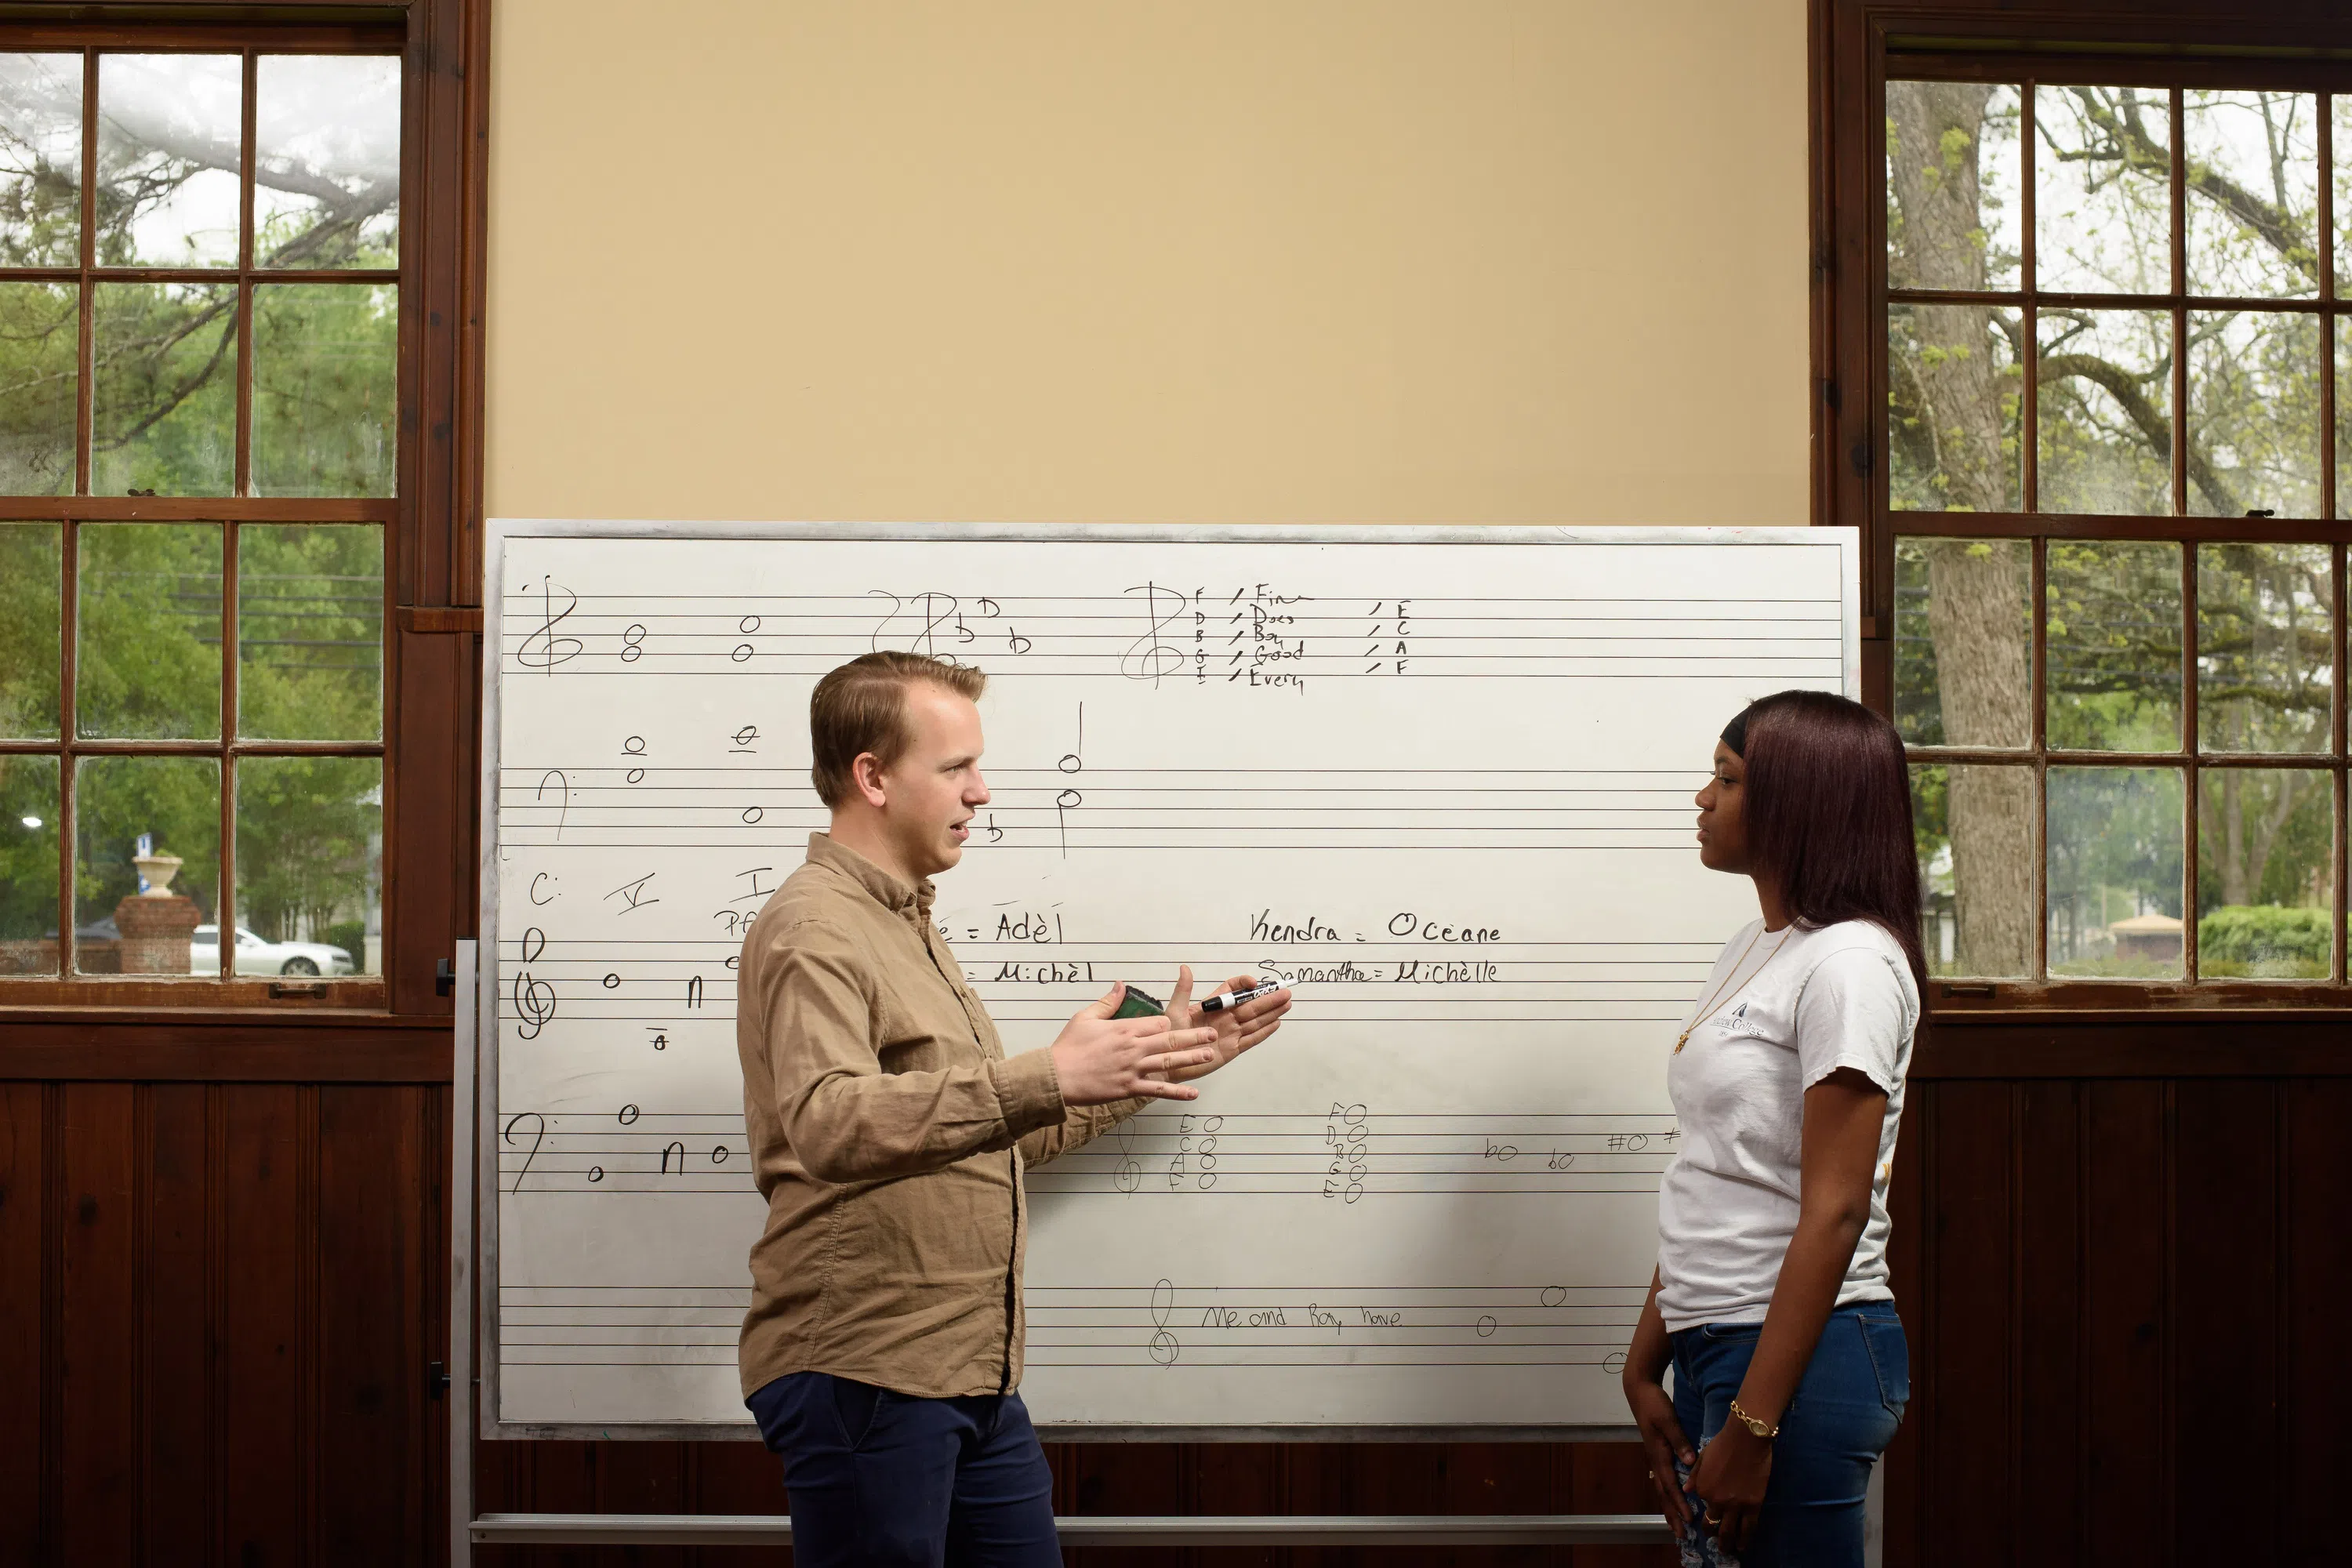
<point>105,997</point>
<point>290,1043</point>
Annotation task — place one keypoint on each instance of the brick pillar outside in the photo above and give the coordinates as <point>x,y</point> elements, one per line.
<point>156,932</point>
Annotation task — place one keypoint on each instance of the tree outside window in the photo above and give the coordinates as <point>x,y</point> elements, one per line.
<point>2110,311</point>
<point>199,369</point>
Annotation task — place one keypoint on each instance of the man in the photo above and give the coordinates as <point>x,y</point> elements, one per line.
<point>882,1351</point>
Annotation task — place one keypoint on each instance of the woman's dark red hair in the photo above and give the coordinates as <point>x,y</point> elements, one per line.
<point>1829,813</point>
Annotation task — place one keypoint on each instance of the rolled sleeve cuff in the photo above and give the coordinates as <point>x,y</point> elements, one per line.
<point>1028,1090</point>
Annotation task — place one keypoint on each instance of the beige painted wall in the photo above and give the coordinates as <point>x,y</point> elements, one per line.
<point>1148,260</point>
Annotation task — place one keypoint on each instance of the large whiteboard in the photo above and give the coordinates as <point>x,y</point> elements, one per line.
<point>1440,779</point>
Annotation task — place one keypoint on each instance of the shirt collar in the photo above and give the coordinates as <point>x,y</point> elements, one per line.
<point>888,890</point>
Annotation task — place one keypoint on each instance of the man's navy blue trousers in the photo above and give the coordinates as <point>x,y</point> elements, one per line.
<point>878,1479</point>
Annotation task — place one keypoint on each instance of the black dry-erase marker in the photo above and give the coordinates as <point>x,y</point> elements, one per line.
<point>1235,998</point>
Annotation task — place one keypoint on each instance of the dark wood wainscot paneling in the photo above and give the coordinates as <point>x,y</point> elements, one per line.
<point>224,1298</point>
<point>2116,1289</point>
<point>221,1300</point>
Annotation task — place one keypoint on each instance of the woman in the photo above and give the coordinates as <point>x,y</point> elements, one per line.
<point>1771,1297</point>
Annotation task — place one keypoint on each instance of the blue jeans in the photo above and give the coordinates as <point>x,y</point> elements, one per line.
<point>878,1479</point>
<point>1844,1415</point>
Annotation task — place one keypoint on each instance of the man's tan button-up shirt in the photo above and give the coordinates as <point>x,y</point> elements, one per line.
<point>889,1132</point>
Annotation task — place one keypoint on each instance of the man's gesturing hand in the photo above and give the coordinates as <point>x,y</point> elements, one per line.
<point>1100,1059</point>
<point>1237,1028</point>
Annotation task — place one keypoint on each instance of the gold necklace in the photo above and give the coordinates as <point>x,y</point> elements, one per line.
<point>1718,997</point>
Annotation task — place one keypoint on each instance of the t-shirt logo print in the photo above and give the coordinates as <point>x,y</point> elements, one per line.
<point>1736,1023</point>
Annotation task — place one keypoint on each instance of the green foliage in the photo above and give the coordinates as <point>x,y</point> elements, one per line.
<point>308,836</point>
<point>41,349</point>
<point>311,632</point>
<point>2265,658</point>
<point>324,422</point>
<point>2264,941</point>
<point>2115,841</point>
<point>2113,635</point>
<point>163,395</point>
<point>351,937</point>
<point>28,855</point>
<point>31,578</point>
<point>115,799</point>
<point>148,647</point>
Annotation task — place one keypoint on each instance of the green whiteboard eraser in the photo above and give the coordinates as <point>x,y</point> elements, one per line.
<point>1136,1004</point>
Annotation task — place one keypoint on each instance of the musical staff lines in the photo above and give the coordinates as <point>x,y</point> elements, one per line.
<point>1159,633</point>
<point>1340,1327</point>
<point>665,986</point>
<point>625,1151</point>
<point>1367,1327</point>
<point>621,1325</point>
<point>1061,811</point>
<point>1346,1154</point>
<point>1352,1153</point>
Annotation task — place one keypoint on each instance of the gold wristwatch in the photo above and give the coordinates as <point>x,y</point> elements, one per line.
<point>1762,1428</point>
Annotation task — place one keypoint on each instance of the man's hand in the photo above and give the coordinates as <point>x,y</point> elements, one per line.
<point>1100,1059</point>
<point>1237,1028</point>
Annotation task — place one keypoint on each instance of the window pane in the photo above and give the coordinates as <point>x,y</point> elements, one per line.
<point>175,804</point>
<point>148,639</point>
<point>40,357</point>
<point>325,381</point>
<point>2105,435</point>
<point>2341,151</point>
<point>2252,162</point>
<point>164,398</point>
<point>1964,641</point>
<point>309,631</point>
<point>2265,648</point>
<point>2265,873</point>
<point>1973,826</point>
<point>2115,866</point>
<point>32,589</point>
<point>40,159</point>
<point>2253,414</point>
<point>2102,190</point>
<point>29,865</point>
<point>2112,642</point>
<point>326,175</point>
<point>2343,418</point>
<point>168,140</point>
<point>309,847</point>
<point>1951,185</point>
<point>1955,392</point>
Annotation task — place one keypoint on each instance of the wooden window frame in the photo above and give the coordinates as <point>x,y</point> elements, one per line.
<point>1856,45</point>
<point>394,1028</point>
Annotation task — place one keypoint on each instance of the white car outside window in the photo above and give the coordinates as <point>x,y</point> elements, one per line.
<point>255,956</point>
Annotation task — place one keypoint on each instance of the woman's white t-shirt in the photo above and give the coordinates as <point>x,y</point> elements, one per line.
<point>1839,996</point>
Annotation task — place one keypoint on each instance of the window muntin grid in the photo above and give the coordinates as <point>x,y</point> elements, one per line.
<point>1962,302</point>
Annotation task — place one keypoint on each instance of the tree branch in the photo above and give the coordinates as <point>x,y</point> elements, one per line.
<point>2151,422</point>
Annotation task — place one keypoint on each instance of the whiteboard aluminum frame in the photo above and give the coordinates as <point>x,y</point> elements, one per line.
<point>496,531</point>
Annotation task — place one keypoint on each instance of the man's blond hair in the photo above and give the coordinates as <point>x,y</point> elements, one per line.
<point>862,708</point>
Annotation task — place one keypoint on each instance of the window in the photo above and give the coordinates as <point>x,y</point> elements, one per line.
<point>2115,364</point>
<point>199,439</point>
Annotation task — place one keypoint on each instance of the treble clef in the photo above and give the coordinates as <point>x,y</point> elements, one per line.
<point>1164,1348</point>
<point>534,1004</point>
<point>1148,658</point>
<point>551,649</point>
